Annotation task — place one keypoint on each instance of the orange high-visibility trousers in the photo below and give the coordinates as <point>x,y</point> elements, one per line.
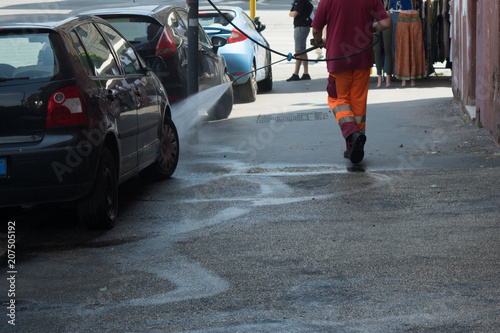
<point>347,97</point>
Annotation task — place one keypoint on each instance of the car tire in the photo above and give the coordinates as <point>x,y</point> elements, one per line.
<point>266,85</point>
<point>166,163</point>
<point>247,92</point>
<point>99,209</point>
<point>224,106</point>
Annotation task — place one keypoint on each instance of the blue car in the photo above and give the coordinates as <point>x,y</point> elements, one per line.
<point>242,55</point>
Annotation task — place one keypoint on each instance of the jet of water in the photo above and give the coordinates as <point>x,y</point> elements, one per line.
<point>188,113</point>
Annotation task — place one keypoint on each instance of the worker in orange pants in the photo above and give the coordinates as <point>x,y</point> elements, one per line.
<point>347,97</point>
<point>349,39</point>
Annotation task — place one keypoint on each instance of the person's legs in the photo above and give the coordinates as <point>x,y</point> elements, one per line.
<point>359,96</point>
<point>377,52</point>
<point>394,19</point>
<point>298,45</point>
<point>387,44</point>
<point>304,32</point>
<point>297,65</point>
<point>339,87</point>
<point>305,64</point>
<point>300,37</point>
<point>347,96</point>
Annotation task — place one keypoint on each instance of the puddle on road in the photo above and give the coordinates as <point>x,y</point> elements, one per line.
<point>294,170</point>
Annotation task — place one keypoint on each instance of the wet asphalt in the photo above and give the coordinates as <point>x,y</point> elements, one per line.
<point>265,227</point>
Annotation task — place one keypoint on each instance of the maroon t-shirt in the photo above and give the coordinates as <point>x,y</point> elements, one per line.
<point>349,29</point>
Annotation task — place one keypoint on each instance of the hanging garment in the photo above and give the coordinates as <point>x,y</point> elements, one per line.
<point>410,54</point>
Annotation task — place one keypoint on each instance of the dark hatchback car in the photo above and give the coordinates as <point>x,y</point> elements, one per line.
<point>79,114</point>
<point>163,31</point>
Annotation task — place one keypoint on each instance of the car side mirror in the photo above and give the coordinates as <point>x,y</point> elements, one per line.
<point>258,25</point>
<point>217,42</point>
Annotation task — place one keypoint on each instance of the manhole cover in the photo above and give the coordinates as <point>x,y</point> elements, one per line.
<point>289,117</point>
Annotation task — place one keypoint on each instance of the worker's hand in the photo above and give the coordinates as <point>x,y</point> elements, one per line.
<point>320,44</point>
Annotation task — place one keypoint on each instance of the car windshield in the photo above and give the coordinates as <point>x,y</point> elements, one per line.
<point>27,56</point>
<point>136,30</point>
<point>206,18</point>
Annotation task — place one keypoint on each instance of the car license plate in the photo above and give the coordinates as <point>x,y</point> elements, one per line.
<point>3,166</point>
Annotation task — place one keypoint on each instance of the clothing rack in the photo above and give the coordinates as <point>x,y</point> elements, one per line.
<point>436,26</point>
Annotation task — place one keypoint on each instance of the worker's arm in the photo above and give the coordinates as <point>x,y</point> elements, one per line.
<point>382,24</point>
<point>293,14</point>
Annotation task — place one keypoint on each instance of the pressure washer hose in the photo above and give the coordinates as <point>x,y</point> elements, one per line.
<point>288,56</point>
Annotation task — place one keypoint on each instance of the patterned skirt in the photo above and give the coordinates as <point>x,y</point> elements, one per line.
<point>409,62</point>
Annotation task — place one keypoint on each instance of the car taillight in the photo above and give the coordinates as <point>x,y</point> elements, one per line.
<point>65,108</point>
<point>166,44</point>
<point>236,36</point>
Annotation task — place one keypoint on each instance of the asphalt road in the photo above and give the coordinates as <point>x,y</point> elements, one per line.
<point>265,227</point>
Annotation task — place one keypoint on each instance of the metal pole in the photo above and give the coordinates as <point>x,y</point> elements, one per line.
<point>253,7</point>
<point>193,6</point>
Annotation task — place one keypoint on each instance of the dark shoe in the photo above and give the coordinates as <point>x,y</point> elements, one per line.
<point>347,154</point>
<point>294,77</point>
<point>305,77</point>
<point>357,153</point>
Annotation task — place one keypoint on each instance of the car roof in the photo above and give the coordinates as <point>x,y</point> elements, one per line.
<point>33,21</point>
<point>43,21</point>
<point>221,8</point>
<point>147,10</point>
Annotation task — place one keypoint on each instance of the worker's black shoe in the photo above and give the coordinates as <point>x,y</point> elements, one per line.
<point>305,77</point>
<point>356,153</point>
<point>294,77</point>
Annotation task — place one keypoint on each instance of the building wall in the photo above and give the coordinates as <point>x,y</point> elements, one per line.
<point>476,59</point>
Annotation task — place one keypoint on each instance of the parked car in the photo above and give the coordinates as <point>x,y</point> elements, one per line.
<point>163,31</point>
<point>79,114</point>
<point>242,54</point>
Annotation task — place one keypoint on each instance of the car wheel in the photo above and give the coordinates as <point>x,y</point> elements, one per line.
<point>266,85</point>
<point>166,163</point>
<point>247,91</point>
<point>224,106</point>
<point>99,209</point>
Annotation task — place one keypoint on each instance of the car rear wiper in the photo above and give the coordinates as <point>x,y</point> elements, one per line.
<point>4,79</point>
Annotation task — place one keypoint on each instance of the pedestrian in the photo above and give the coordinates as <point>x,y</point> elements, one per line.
<point>301,12</point>
<point>383,54</point>
<point>350,26</point>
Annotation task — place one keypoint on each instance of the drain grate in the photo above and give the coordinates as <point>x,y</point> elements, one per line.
<point>289,117</point>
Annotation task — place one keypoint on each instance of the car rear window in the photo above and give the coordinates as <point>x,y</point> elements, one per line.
<point>27,56</point>
<point>206,19</point>
<point>136,30</point>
